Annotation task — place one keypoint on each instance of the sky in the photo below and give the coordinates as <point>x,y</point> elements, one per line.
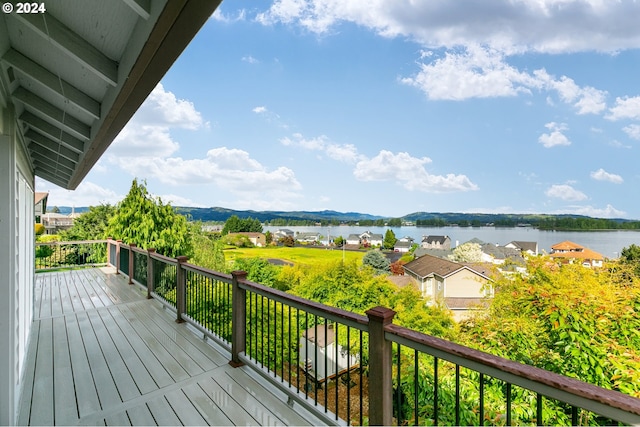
<point>392,107</point>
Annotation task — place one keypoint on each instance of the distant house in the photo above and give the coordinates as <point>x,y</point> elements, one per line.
<point>371,239</point>
<point>500,254</point>
<point>281,233</point>
<point>436,242</point>
<point>403,244</point>
<point>570,252</point>
<point>55,222</point>
<point>40,200</point>
<point>461,287</point>
<point>215,228</point>
<point>530,248</point>
<point>258,239</point>
<point>353,239</point>
<point>308,237</point>
<point>318,354</point>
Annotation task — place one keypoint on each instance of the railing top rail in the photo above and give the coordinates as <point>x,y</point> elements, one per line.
<point>75,242</point>
<point>138,250</point>
<point>346,317</point>
<point>159,257</point>
<point>531,377</point>
<point>206,272</point>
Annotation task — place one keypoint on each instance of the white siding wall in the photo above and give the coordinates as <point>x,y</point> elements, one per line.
<point>16,263</point>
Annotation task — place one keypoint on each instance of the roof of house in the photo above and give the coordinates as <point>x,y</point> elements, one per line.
<point>501,252</point>
<point>434,239</point>
<point>402,244</point>
<point>440,253</point>
<point>585,254</point>
<point>39,196</point>
<point>427,265</point>
<point>566,246</point>
<point>525,246</point>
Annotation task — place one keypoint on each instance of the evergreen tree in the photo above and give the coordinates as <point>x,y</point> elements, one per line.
<point>146,221</point>
<point>389,239</point>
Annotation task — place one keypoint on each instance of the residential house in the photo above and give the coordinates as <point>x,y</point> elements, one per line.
<point>281,233</point>
<point>258,239</point>
<point>403,244</point>
<point>308,237</point>
<point>436,242</point>
<point>461,287</point>
<point>530,248</point>
<point>67,88</point>
<point>495,254</point>
<point>570,252</point>
<point>371,239</point>
<point>321,340</point>
<point>56,222</point>
<point>40,205</point>
<point>353,239</point>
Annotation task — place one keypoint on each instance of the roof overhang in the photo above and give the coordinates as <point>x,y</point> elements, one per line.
<point>76,73</point>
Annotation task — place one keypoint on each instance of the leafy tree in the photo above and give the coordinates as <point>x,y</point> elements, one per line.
<point>376,260</point>
<point>467,252</point>
<point>395,222</point>
<point>208,251</point>
<point>238,240</point>
<point>237,225</point>
<point>631,256</point>
<point>149,223</point>
<point>396,267</point>
<point>287,241</point>
<point>39,229</point>
<point>339,241</point>
<point>91,225</point>
<point>268,237</point>
<point>258,270</point>
<point>389,239</point>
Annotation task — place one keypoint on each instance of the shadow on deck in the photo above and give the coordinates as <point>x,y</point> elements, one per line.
<point>100,353</point>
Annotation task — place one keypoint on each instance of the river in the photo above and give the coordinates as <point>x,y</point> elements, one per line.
<point>608,243</point>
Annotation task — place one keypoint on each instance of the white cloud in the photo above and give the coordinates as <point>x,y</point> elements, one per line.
<point>229,169</point>
<point>347,153</point>
<point>602,175</point>
<point>410,172</point>
<point>250,59</point>
<point>555,137</point>
<point>550,26</point>
<point>565,192</point>
<point>176,200</point>
<point>625,108</point>
<point>86,194</point>
<point>608,212</point>
<point>148,132</point>
<point>260,109</point>
<point>219,16</point>
<point>633,131</point>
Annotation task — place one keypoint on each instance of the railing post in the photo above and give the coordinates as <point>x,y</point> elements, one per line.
<point>181,289</point>
<point>109,239</point>
<point>118,256</point>
<point>239,318</point>
<point>131,266</point>
<point>150,278</point>
<point>380,367</point>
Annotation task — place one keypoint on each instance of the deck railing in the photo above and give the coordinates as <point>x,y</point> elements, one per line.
<point>353,369</point>
<point>54,255</point>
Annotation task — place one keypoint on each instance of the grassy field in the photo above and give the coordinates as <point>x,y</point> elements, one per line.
<point>300,255</point>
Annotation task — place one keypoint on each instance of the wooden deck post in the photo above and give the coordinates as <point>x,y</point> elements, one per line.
<point>118,256</point>
<point>109,243</point>
<point>239,318</point>
<point>131,266</point>
<point>150,273</point>
<point>181,289</point>
<point>380,367</point>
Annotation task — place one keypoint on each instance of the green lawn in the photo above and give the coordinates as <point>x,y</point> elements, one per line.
<point>299,255</point>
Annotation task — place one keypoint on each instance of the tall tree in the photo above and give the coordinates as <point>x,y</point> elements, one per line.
<point>91,225</point>
<point>467,252</point>
<point>145,220</point>
<point>389,239</point>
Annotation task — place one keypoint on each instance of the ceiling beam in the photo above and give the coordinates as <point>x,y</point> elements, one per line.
<point>72,44</point>
<point>53,169</point>
<point>64,119</point>
<point>50,177</point>
<point>45,155</point>
<point>53,132</point>
<point>141,7</point>
<point>38,157</point>
<point>52,82</point>
<point>52,145</point>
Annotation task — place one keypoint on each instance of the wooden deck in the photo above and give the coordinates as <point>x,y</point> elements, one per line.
<point>102,354</point>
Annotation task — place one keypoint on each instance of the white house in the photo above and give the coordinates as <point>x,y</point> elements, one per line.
<point>318,354</point>
<point>67,88</point>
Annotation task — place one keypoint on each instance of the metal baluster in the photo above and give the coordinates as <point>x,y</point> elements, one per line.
<point>539,420</point>
<point>457,395</point>
<point>508,392</point>
<point>481,422</point>
<point>416,386</point>
<point>435,391</point>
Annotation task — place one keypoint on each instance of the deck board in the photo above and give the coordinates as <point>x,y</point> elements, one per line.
<point>100,353</point>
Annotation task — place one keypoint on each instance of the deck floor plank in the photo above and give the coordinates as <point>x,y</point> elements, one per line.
<point>143,379</point>
<point>162,412</point>
<point>66,408</point>
<point>107,390</point>
<point>86,392</point>
<point>42,400</point>
<point>101,353</point>
<point>120,373</point>
<point>184,409</point>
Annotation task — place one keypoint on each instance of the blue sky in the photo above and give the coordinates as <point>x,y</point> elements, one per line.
<point>392,107</point>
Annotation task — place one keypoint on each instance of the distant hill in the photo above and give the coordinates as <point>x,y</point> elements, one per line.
<point>542,221</point>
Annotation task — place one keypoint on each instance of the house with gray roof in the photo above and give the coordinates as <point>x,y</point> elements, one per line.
<point>436,242</point>
<point>530,248</point>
